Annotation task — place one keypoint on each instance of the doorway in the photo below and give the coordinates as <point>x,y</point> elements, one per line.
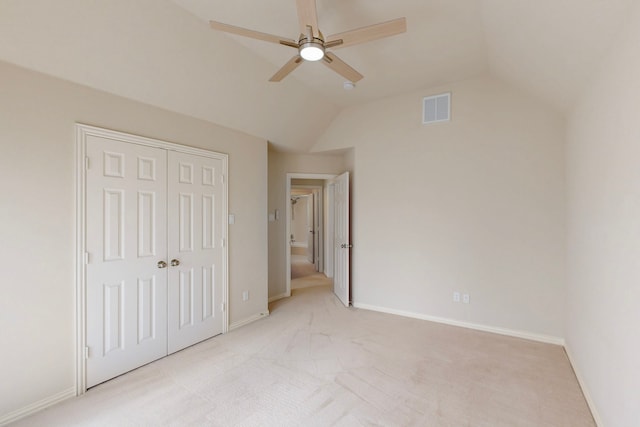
<point>330,233</point>
<point>306,221</point>
<point>307,238</point>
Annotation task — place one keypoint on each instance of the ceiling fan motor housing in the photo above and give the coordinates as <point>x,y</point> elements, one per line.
<point>311,49</point>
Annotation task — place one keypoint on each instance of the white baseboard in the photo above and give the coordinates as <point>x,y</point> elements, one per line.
<point>585,390</point>
<point>248,320</point>
<point>493,329</point>
<point>37,406</point>
<point>277,297</point>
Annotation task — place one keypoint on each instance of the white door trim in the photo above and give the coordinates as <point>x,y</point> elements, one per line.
<point>82,132</point>
<point>287,234</point>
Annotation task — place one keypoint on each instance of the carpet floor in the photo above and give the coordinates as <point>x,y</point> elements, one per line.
<point>304,274</point>
<point>313,362</point>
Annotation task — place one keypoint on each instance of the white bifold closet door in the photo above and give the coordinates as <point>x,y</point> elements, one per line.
<point>154,244</point>
<point>195,244</point>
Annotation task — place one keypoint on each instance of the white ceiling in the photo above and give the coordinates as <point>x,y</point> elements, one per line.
<point>551,48</point>
<point>162,52</point>
<point>444,42</point>
<point>548,47</point>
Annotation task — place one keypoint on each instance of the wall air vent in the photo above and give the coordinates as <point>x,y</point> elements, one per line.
<point>436,108</point>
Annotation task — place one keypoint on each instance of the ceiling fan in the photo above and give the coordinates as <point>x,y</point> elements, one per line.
<point>312,45</point>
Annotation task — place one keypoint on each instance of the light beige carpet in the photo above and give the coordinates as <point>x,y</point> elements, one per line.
<point>314,362</point>
<point>300,267</point>
<point>304,274</point>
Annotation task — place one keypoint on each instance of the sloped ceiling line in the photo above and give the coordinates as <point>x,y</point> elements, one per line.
<point>162,52</point>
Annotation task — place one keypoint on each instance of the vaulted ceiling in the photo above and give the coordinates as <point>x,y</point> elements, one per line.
<point>163,52</point>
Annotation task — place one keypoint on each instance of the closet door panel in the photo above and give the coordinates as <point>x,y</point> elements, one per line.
<point>126,237</point>
<point>195,247</point>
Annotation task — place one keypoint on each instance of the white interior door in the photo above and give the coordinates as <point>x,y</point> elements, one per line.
<point>329,257</point>
<point>126,291</point>
<point>341,240</point>
<point>195,249</point>
<point>310,233</point>
<point>317,241</point>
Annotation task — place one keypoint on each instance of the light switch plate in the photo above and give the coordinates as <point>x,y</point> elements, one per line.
<point>232,219</point>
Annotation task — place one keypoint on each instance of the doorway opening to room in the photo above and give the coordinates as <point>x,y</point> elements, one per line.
<point>317,232</point>
<point>307,236</point>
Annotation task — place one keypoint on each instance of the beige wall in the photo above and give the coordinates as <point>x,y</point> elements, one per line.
<point>307,182</point>
<point>475,205</point>
<point>37,220</point>
<point>603,176</point>
<point>156,52</point>
<point>279,165</point>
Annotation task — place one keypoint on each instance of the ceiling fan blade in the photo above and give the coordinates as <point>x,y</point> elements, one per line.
<point>252,34</point>
<point>308,17</point>
<point>365,34</point>
<point>286,69</point>
<point>341,67</point>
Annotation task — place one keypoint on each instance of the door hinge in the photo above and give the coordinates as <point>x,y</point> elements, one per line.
<point>86,258</point>
<point>222,307</point>
<point>86,352</point>
<point>222,242</point>
<point>87,163</point>
<point>222,179</point>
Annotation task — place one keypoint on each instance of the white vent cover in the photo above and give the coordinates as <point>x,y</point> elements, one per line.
<point>436,108</point>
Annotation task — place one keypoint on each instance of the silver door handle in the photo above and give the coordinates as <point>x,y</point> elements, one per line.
<point>162,264</point>
<point>346,246</point>
<point>175,262</point>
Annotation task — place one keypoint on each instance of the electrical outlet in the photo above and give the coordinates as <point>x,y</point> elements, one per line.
<point>465,298</point>
<point>456,297</point>
<point>245,295</point>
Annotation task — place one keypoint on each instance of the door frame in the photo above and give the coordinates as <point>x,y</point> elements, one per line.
<point>287,235</point>
<point>82,132</point>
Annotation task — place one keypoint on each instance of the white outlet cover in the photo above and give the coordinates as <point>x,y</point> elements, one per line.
<point>456,297</point>
<point>465,298</point>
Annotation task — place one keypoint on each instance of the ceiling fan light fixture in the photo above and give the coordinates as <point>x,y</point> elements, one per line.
<point>310,46</point>
<point>312,51</point>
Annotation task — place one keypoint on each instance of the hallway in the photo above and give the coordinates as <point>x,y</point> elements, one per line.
<point>304,275</point>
